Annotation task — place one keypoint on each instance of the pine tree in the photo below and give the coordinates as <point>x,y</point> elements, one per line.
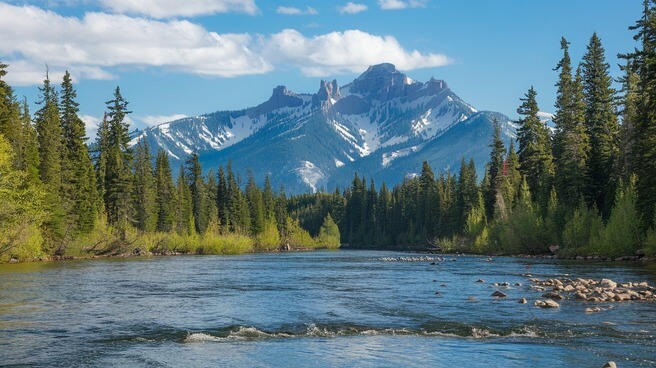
<point>29,151</point>
<point>118,176</point>
<point>10,121</point>
<point>644,155</point>
<point>255,206</point>
<point>100,162</point>
<point>602,125</point>
<point>198,195</point>
<point>79,187</point>
<point>494,171</point>
<point>629,114</point>
<point>571,141</point>
<point>49,137</point>
<point>165,197</point>
<point>144,191</point>
<point>428,203</point>
<point>222,201</point>
<point>535,158</point>
<point>184,213</point>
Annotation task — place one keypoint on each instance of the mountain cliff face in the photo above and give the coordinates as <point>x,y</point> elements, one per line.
<point>381,125</point>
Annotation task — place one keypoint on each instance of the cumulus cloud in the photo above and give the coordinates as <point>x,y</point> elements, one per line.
<point>176,8</point>
<point>289,10</point>
<point>343,52</point>
<point>100,46</point>
<point>152,120</point>
<point>90,46</point>
<point>352,8</point>
<point>401,4</point>
<point>91,124</point>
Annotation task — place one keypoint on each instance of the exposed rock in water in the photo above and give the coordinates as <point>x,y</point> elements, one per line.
<point>610,364</point>
<point>499,294</point>
<point>608,284</point>
<point>553,295</point>
<point>480,281</point>
<point>522,301</point>
<point>547,304</point>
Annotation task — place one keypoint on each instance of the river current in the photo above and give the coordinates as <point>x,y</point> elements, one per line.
<point>314,309</point>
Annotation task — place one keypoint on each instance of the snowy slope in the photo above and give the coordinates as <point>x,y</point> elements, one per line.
<point>382,122</point>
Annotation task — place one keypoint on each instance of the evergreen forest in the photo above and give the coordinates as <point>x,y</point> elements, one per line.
<point>586,185</point>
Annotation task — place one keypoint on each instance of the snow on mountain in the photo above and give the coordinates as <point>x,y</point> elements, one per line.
<point>379,122</point>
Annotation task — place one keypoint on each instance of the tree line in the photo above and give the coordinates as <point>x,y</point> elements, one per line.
<point>588,185</point>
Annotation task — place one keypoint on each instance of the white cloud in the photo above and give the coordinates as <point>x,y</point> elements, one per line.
<point>91,124</point>
<point>352,8</point>
<point>401,4</point>
<point>543,115</point>
<point>289,10</point>
<point>343,52</point>
<point>89,46</point>
<point>152,120</point>
<point>100,46</point>
<point>176,8</point>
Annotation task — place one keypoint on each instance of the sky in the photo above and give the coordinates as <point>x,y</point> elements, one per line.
<point>176,58</point>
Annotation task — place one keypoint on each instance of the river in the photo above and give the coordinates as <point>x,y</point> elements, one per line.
<point>313,309</point>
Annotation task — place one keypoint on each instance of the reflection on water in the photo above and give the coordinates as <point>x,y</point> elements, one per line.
<point>352,308</point>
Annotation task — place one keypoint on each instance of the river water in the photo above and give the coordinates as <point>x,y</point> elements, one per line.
<point>314,309</point>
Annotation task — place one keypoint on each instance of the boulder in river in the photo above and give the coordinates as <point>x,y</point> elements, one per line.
<point>522,301</point>
<point>480,281</point>
<point>553,295</point>
<point>499,294</point>
<point>547,304</point>
<point>608,284</point>
<point>610,364</point>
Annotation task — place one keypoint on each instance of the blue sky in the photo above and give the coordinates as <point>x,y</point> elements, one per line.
<point>174,58</point>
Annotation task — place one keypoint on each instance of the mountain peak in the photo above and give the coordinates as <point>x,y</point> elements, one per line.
<point>381,82</point>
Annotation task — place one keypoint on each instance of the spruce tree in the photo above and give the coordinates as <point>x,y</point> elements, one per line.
<point>29,151</point>
<point>79,187</point>
<point>494,171</point>
<point>10,120</point>
<point>184,213</point>
<point>165,197</point>
<point>198,195</point>
<point>629,114</point>
<point>144,189</point>
<point>49,137</point>
<point>222,201</point>
<point>602,125</point>
<point>535,158</point>
<point>118,173</point>
<point>644,155</point>
<point>571,140</point>
<point>255,206</point>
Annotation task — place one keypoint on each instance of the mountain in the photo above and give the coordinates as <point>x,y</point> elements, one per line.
<point>382,125</point>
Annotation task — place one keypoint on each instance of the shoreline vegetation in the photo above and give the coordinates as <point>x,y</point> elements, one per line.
<point>584,188</point>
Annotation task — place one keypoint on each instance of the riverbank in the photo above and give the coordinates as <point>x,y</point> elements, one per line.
<point>140,252</point>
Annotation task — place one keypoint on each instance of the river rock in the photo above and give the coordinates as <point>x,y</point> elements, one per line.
<point>522,301</point>
<point>608,284</point>
<point>610,364</point>
<point>622,297</point>
<point>547,304</point>
<point>499,294</point>
<point>553,295</point>
<point>568,288</point>
<point>480,281</point>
